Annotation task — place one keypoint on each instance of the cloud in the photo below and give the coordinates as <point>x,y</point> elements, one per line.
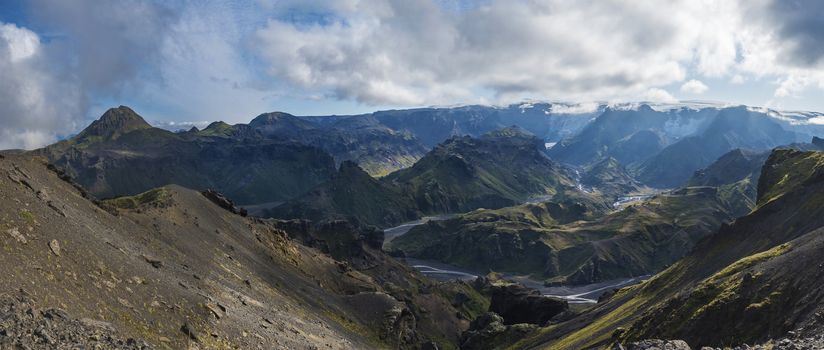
<point>659,95</point>
<point>34,100</point>
<point>106,43</point>
<point>800,27</point>
<point>577,108</point>
<point>178,60</point>
<point>403,52</point>
<point>695,87</point>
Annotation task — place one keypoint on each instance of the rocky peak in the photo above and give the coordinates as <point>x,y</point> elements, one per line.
<point>270,118</point>
<point>115,122</point>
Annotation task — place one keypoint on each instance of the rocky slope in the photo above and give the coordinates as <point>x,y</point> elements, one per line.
<point>172,269</point>
<point>750,282</point>
<point>573,243</point>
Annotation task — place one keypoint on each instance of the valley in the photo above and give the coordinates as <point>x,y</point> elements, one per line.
<point>374,231</point>
<point>411,175</point>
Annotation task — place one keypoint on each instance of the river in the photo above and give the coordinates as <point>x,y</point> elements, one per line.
<point>575,294</point>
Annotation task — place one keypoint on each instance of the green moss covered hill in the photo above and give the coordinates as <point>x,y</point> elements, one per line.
<point>120,154</point>
<point>572,243</point>
<point>499,169</point>
<point>274,158</point>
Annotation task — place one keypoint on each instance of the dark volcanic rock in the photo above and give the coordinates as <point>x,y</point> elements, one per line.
<point>488,331</point>
<point>25,326</point>
<point>225,203</point>
<point>518,304</point>
<point>657,344</point>
<point>340,239</point>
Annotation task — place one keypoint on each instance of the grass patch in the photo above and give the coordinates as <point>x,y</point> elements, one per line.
<point>27,216</point>
<point>748,262</point>
<point>159,197</point>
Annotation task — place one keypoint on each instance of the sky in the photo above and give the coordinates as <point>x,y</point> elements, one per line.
<point>177,62</point>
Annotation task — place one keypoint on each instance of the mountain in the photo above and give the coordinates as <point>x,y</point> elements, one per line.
<point>611,178</point>
<point>626,135</point>
<point>731,128</point>
<point>501,168</point>
<point>571,243</point>
<point>377,148</point>
<point>170,268</point>
<point>351,194</point>
<point>112,124</point>
<point>731,167</point>
<point>548,121</point>
<point>281,125</point>
<point>749,282</point>
<point>121,155</point>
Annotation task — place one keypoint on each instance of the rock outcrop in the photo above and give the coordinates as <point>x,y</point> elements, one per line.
<point>223,202</point>
<point>489,332</point>
<point>518,304</point>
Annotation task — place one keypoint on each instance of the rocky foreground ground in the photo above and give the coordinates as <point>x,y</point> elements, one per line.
<point>24,325</point>
<point>789,343</point>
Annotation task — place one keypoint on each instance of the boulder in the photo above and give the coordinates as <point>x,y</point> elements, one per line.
<point>518,304</point>
<point>225,203</point>
<point>488,331</point>
<point>658,344</point>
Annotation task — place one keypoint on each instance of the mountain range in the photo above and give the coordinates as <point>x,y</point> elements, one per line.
<point>693,224</point>
<point>501,168</point>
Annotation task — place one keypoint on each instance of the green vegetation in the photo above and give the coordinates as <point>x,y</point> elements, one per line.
<point>462,174</point>
<point>569,242</point>
<point>27,216</point>
<point>216,129</point>
<point>748,262</point>
<point>738,285</point>
<point>777,181</point>
<point>159,197</point>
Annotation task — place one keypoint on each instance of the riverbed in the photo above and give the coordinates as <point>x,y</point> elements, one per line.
<point>574,294</point>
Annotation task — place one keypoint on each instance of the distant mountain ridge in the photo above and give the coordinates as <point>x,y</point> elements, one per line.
<point>120,154</point>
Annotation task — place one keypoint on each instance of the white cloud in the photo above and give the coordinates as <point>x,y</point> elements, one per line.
<point>400,52</point>
<point>694,87</point>
<point>577,108</point>
<point>405,52</point>
<point>659,95</point>
<point>36,103</point>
